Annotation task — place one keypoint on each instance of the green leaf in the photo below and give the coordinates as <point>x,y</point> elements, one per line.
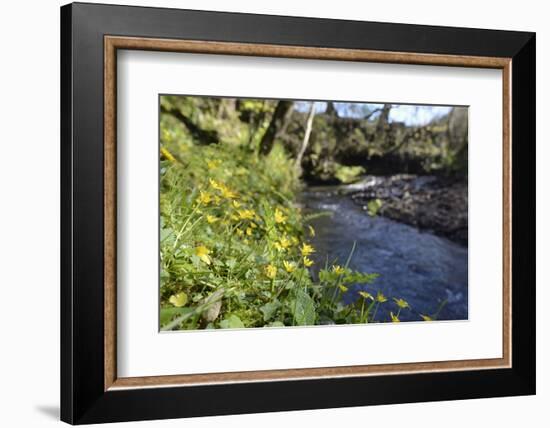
<point>373,206</point>
<point>166,314</point>
<point>303,309</point>
<point>166,234</point>
<point>269,309</point>
<point>233,321</point>
<point>178,300</point>
<point>360,278</point>
<point>276,324</point>
<point>231,263</point>
<point>164,274</point>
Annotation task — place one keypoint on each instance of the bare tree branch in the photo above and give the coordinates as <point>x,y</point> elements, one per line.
<point>309,125</point>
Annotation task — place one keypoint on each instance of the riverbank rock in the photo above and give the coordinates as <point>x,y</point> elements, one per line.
<point>431,203</point>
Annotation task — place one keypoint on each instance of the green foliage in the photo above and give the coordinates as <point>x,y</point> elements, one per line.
<point>303,308</point>
<point>234,248</point>
<point>348,174</point>
<point>373,206</point>
<point>233,321</point>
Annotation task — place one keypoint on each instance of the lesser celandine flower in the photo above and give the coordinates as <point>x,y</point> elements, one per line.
<point>228,193</point>
<point>270,271</point>
<point>278,246</point>
<point>166,135</point>
<point>213,164</point>
<point>401,303</point>
<point>426,317</point>
<point>205,197</point>
<point>249,231</point>
<point>178,300</point>
<point>203,253</point>
<point>307,249</point>
<point>279,216</point>
<point>215,184</point>
<point>284,242</point>
<point>380,298</point>
<point>308,262</point>
<point>167,154</point>
<point>289,266</point>
<point>246,214</point>
<point>366,295</point>
<point>236,204</point>
<point>394,318</point>
<point>342,288</point>
<point>338,270</point>
<point>211,219</point>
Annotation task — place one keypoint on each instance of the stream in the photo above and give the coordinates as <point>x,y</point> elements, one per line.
<point>415,265</point>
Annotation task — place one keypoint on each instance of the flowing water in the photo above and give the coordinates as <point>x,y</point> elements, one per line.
<point>417,266</point>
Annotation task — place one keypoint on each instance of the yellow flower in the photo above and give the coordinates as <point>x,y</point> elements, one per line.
<point>236,204</point>
<point>308,262</point>
<point>338,270</point>
<point>178,300</point>
<point>211,219</point>
<point>342,288</point>
<point>249,231</point>
<point>294,240</point>
<point>311,231</point>
<point>166,135</point>
<point>279,216</point>
<point>215,184</point>
<point>270,271</point>
<point>426,317</point>
<point>203,253</point>
<point>289,266</point>
<point>284,242</point>
<point>366,295</point>
<point>167,154</point>
<point>239,232</point>
<point>307,249</point>
<point>205,197</point>
<point>246,214</point>
<point>228,193</point>
<point>380,298</point>
<point>253,225</point>
<point>213,164</point>
<point>278,246</point>
<point>401,303</point>
<point>394,318</point>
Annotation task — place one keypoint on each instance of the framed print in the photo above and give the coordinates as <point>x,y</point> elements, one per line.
<point>265,213</point>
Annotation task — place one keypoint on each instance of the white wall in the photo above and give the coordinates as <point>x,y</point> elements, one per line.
<point>29,230</point>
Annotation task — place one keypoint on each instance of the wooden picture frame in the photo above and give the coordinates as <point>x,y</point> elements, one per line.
<point>91,390</point>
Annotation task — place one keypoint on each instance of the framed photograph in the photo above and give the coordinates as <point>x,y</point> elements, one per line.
<point>266,213</point>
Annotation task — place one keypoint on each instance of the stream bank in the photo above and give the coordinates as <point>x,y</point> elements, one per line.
<point>414,264</point>
<point>430,203</point>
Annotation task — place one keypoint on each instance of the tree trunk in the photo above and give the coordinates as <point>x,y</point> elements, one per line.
<point>277,121</point>
<point>383,119</point>
<point>331,110</point>
<point>309,125</point>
